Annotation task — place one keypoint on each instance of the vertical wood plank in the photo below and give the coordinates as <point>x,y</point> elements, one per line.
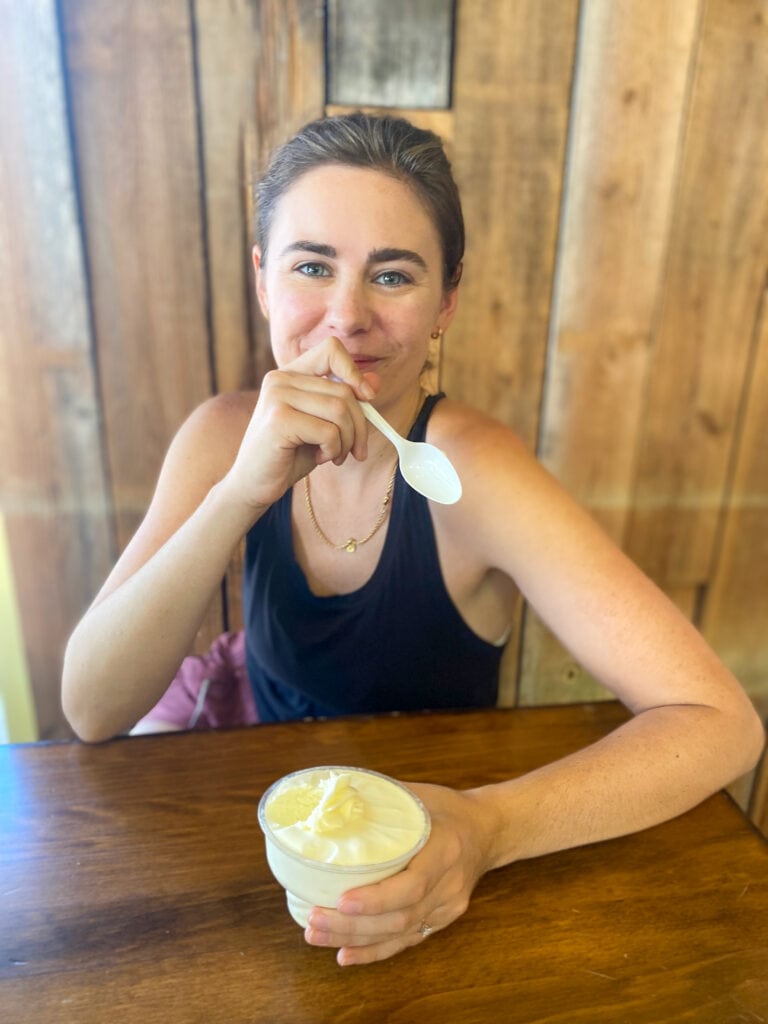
<point>52,486</point>
<point>396,54</point>
<point>513,69</point>
<point>628,115</point>
<point>134,113</point>
<point>291,70</point>
<point>736,607</point>
<point>714,278</point>
<point>227,38</point>
<point>290,91</point>
<point>511,105</point>
<point>228,41</point>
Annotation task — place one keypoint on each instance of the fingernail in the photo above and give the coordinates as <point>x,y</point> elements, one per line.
<point>367,390</point>
<point>317,938</point>
<point>317,919</point>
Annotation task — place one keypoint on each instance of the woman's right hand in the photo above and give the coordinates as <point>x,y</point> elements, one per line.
<point>307,414</point>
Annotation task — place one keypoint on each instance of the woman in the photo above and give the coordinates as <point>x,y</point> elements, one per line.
<point>359,594</point>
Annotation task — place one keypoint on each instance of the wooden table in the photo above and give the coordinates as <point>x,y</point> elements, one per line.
<point>134,888</point>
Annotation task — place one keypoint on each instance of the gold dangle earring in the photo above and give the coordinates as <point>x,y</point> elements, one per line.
<point>430,375</point>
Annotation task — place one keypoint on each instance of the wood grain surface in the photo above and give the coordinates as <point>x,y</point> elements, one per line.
<point>709,307</point>
<point>54,487</point>
<point>628,116</point>
<point>135,889</point>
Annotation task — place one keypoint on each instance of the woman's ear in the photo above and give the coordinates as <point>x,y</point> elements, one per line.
<point>448,307</point>
<point>258,274</point>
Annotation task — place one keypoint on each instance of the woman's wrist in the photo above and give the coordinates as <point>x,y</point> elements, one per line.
<point>491,823</point>
<point>226,496</point>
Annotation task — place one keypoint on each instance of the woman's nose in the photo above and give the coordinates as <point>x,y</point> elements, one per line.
<point>349,310</point>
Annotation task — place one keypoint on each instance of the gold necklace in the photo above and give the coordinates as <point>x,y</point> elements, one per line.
<point>352,544</point>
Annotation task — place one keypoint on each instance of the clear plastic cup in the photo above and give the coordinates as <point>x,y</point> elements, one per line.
<point>310,882</point>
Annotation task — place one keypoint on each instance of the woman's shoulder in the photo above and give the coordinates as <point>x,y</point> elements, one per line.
<point>225,416</point>
<point>230,410</point>
<point>469,433</point>
<point>497,467</point>
<point>211,434</point>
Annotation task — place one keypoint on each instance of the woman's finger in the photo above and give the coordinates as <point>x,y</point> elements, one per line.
<point>330,358</point>
<point>329,928</point>
<point>399,892</point>
<point>359,946</point>
<point>351,956</point>
<point>323,417</point>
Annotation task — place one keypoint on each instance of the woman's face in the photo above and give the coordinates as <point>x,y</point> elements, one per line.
<point>354,254</point>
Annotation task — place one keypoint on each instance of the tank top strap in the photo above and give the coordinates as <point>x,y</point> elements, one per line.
<point>419,429</point>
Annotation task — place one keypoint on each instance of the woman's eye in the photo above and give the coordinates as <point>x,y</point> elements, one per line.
<point>391,278</point>
<point>313,270</point>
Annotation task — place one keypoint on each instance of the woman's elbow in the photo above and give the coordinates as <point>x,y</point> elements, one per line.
<point>755,732</point>
<point>79,707</point>
<point>747,736</point>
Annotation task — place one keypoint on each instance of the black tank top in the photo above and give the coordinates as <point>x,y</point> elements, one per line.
<point>395,644</point>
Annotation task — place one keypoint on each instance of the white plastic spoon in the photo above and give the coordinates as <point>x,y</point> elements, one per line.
<point>428,470</point>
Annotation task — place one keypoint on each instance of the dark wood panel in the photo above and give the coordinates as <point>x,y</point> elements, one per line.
<point>396,54</point>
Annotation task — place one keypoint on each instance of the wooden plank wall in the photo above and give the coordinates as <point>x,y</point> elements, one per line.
<point>613,158</point>
<point>54,477</point>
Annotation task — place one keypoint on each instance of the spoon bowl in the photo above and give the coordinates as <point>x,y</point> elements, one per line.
<point>426,468</point>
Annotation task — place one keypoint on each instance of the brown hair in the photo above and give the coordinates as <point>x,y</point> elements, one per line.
<point>389,144</point>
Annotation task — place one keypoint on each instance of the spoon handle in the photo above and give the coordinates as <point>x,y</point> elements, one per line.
<point>375,417</point>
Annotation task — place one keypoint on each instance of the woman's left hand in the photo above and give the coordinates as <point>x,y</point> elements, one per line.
<point>376,921</point>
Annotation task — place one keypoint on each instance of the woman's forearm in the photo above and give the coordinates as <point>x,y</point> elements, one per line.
<point>660,764</point>
<point>129,645</point>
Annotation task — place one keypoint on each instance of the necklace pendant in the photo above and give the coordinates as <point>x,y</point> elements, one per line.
<point>351,546</point>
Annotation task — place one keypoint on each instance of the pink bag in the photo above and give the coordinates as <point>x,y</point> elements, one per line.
<point>211,691</point>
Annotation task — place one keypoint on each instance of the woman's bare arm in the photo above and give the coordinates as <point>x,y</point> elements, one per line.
<point>234,457</point>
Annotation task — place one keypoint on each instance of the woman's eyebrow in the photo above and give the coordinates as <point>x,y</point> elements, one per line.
<point>388,254</point>
<point>393,255</point>
<point>318,248</point>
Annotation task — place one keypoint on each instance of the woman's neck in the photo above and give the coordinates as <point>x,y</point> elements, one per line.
<point>402,413</point>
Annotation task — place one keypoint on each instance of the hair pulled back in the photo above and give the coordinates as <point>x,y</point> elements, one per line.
<point>392,145</point>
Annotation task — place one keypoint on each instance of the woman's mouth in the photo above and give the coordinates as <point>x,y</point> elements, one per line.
<point>365,362</point>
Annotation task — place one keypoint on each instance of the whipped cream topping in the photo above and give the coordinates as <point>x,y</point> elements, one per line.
<point>349,817</point>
